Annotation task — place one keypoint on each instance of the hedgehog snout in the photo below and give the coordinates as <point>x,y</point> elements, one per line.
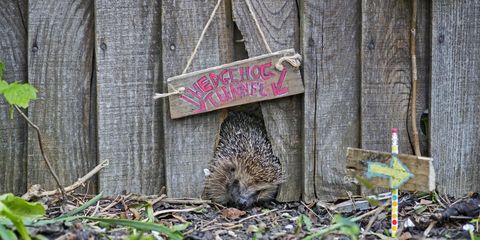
<point>240,197</point>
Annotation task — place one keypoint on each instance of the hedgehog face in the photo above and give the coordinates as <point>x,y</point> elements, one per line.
<point>242,180</point>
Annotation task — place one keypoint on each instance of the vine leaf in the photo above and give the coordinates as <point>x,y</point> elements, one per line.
<point>19,94</point>
<point>3,85</point>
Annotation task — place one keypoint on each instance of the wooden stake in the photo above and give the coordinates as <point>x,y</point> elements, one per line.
<point>413,100</point>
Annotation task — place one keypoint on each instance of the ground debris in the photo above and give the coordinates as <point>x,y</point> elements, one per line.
<point>428,216</point>
<point>464,209</point>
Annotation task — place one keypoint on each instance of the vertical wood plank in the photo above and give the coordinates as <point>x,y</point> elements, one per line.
<point>455,101</point>
<point>331,49</point>
<point>60,58</point>
<point>13,132</point>
<point>283,117</point>
<point>128,56</point>
<point>190,142</point>
<point>386,73</point>
<point>423,51</point>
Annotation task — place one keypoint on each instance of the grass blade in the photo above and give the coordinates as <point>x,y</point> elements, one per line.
<point>7,234</point>
<point>83,207</point>
<point>146,226</point>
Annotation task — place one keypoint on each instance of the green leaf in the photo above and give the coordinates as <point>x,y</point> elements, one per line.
<point>7,234</point>
<point>303,220</point>
<point>16,220</point>
<point>347,226</point>
<point>150,215</point>
<point>3,85</point>
<point>17,210</point>
<point>181,227</point>
<point>141,237</point>
<point>421,209</point>
<point>20,94</point>
<point>373,202</point>
<point>171,234</point>
<point>21,208</point>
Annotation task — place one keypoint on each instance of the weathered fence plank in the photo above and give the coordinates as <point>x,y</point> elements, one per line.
<point>189,142</point>
<point>128,59</point>
<point>455,101</point>
<point>283,117</point>
<point>13,132</point>
<point>332,93</point>
<point>60,58</point>
<point>386,73</point>
<point>423,51</point>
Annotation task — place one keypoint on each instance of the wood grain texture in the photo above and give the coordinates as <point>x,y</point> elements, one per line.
<point>190,142</point>
<point>283,117</point>
<point>332,93</point>
<point>13,133</point>
<point>423,179</point>
<point>60,58</point>
<point>232,84</point>
<point>455,101</point>
<point>128,56</point>
<point>386,72</point>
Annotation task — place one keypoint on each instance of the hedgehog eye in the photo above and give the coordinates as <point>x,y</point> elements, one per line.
<point>232,169</point>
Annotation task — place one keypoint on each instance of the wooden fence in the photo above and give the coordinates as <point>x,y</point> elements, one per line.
<point>97,64</point>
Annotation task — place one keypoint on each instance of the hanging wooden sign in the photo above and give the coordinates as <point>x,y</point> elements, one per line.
<point>255,79</point>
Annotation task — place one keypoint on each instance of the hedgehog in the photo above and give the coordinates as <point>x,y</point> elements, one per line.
<point>244,171</point>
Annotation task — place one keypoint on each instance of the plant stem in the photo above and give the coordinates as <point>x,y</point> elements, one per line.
<point>413,30</point>
<point>42,151</point>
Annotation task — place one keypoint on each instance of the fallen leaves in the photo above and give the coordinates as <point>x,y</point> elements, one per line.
<point>232,213</point>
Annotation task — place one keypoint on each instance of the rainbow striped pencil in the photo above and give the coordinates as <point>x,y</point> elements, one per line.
<point>394,222</point>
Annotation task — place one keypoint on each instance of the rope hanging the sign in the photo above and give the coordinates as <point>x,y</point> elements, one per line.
<point>250,9</point>
<point>201,36</point>
<point>180,90</point>
<point>294,60</point>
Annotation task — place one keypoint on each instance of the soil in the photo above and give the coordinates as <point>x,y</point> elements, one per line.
<point>419,215</point>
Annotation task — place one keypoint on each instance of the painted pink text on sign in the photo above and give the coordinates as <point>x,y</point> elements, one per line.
<point>215,89</point>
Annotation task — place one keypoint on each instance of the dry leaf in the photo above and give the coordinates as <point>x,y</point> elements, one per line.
<point>232,213</point>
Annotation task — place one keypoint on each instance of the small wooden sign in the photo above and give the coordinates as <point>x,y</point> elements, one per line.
<point>407,172</point>
<point>246,81</point>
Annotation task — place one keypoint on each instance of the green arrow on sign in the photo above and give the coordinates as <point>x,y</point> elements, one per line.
<point>396,171</point>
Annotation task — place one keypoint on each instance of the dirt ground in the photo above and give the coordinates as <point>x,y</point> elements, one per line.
<point>420,215</point>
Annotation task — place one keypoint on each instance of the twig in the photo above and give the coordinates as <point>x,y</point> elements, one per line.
<point>222,225</point>
<point>413,101</point>
<point>355,219</point>
<point>256,215</point>
<point>309,209</point>
<point>42,151</point>
<point>175,211</point>
<point>374,218</point>
<point>34,192</point>
<point>185,201</point>
<point>429,228</point>
<point>158,199</point>
<point>113,203</point>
